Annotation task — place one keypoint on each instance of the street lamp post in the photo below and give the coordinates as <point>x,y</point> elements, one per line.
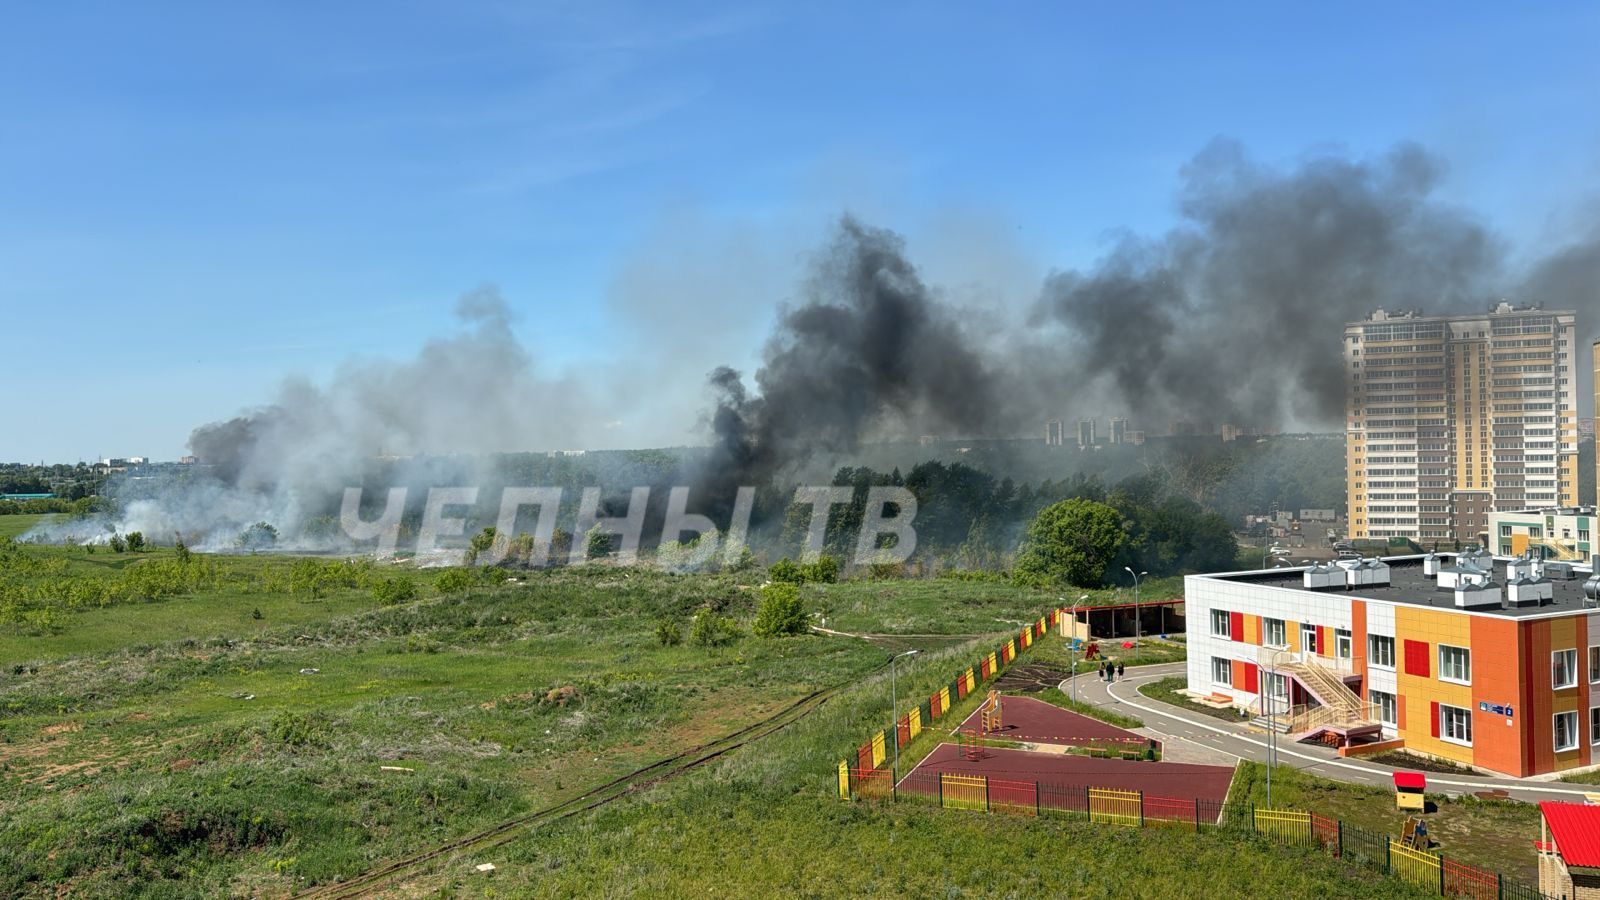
<point>894,709</point>
<point>1072,635</point>
<point>1272,724</point>
<point>1138,624</point>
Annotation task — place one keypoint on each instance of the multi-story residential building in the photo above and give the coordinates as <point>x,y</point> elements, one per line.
<point>1452,417</point>
<point>1560,534</point>
<point>1489,662</point>
<point>1119,430</point>
<point>1054,433</point>
<point>1086,433</point>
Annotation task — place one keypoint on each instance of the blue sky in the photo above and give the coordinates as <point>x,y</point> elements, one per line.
<point>198,200</point>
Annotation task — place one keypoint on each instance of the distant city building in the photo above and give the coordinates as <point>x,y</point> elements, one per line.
<point>188,460</point>
<point>1318,515</point>
<point>1086,436</point>
<point>1586,428</point>
<point>1451,417</point>
<point>1136,437</point>
<point>1055,434</point>
<point>1119,431</point>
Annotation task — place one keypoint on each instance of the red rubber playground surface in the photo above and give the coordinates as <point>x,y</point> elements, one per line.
<point>1037,722</point>
<point>1176,781</point>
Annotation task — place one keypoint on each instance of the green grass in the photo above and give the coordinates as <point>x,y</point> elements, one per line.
<point>173,748</point>
<point>1493,834</point>
<point>953,606</point>
<point>1583,778</point>
<point>16,526</point>
<point>1167,691</point>
<point>1055,697</point>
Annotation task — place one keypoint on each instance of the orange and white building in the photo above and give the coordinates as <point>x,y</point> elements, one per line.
<point>1486,661</point>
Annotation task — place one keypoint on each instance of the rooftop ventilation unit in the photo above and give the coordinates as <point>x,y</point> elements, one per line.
<point>1591,588</point>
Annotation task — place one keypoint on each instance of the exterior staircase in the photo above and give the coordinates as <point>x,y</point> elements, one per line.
<point>1338,710</point>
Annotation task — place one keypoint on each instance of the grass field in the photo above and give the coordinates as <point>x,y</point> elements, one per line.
<point>15,526</point>
<point>183,747</point>
<point>1494,834</point>
<point>1167,690</point>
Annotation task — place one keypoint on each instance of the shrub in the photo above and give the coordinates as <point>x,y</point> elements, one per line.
<point>781,612</point>
<point>668,634</point>
<point>135,541</point>
<point>599,543</point>
<point>293,729</point>
<point>454,581</point>
<point>394,590</point>
<point>712,630</point>
<point>787,571</point>
<point>824,571</point>
<point>118,544</point>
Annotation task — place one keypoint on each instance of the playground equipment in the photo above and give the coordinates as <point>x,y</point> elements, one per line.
<point>971,743</point>
<point>990,711</point>
<point>1408,790</point>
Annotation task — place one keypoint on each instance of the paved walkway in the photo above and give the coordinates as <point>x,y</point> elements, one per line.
<point>1193,737</point>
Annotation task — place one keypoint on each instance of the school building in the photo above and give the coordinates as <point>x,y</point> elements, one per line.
<point>1492,662</point>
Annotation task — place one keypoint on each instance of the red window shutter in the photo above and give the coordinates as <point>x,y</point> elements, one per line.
<point>1322,641</point>
<point>1236,625</point>
<point>1433,713</point>
<point>1417,658</point>
<point>1251,676</point>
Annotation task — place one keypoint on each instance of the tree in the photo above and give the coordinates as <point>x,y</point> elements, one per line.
<point>480,544</point>
<point>259,536</point>
<point>1070,542</point>
<point>118,544</point>
<point>780,612</point>
<point>135,541</point>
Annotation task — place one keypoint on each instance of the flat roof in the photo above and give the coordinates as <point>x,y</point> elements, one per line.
<point>1407,585</point>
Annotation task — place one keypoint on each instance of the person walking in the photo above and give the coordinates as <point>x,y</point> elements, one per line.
<point>1119,671</point>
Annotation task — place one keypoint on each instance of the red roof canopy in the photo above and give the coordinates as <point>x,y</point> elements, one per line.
<point>1411,781</point>
<point>1576,828</point>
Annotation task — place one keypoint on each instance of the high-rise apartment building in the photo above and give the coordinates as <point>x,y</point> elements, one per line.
<point>1119,430</point>
<point>1086,434</point>
<point>1450,417</point>
<point>1053,433</point>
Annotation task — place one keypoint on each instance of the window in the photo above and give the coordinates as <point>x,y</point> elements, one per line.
<point>1594,725</point>
<point>1308,638</point>
<point>1277,690</point>
<point>1386,706</point>
<point>1505,531</point>
<point>1455,724</point>
<point>1273,634</point>
<point>1594,665</point>
<point>1219,623</point>
<point>1380,651</point>
<point>1341,643</point>
<point>1566,731</point>
<point>1455,664</point>
<point>1564,669</point>
<point>1221,671</point>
